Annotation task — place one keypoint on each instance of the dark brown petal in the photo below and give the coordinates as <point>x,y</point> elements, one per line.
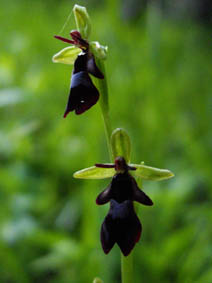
<point>78,40</point>
<point>105,165</point>
<point>64,39</point>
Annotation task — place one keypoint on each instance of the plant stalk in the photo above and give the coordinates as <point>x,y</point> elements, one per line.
<point>127,268</point>
<point>126,262</point>
<point>104,105</point>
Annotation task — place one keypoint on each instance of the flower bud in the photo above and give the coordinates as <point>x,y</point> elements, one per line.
<point>98,50</point>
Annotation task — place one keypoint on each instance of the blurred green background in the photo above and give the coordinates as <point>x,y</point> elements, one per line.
<point>159,73</point>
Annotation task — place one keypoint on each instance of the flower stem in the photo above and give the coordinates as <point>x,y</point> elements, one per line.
<point>106,119</point>
<point>126,262</point>
<point>127,268</point>
<point>103,89</point>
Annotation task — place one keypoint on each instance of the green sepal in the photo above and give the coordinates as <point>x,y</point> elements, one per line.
<point>82,21</point>
<point>98,50</point>
<point>95,173</point>
<point>120,143</point>
<point>151,173</point>
<point>67,55</point>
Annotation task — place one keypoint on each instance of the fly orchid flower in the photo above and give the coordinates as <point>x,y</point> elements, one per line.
<point>82,54</point>
<point>121,225</point>
<point>83,93</point>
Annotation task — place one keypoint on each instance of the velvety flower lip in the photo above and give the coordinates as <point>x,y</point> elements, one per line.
<point>121,226</point>
<point>83,93</point>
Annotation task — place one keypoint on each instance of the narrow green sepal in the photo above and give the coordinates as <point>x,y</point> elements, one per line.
<point>98,50</point>
<point>82,21</point>
<point>95,173</point>
<point>120,143</point>
<point>151,173</point>
<point>67,55</point>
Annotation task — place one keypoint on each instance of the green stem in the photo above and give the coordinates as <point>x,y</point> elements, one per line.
<point>103,89</point>
<point>127,268</point>
<point>107,124</point>
<point>126,262</point>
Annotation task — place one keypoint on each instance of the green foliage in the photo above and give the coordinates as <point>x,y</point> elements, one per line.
<point>159,76</point>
